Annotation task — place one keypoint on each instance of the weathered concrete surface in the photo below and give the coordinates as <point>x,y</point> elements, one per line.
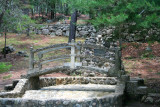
<point>80,87</point>
<point>68,95</point>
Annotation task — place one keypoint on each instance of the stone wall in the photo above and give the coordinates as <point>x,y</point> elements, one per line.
<point>112,100</point>
<point>90,31</point>
<point>63,30</point>
<point>50,81</point>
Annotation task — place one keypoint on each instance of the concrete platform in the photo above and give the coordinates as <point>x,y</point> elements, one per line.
<point>82,87</point>
<point>63,95</point>
<point>70,92</point>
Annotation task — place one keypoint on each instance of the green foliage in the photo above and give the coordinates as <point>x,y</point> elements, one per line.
<point>8,76</point>
<point>12,14</point>
<point>158,73</point>
<point>147,54</point>
<point>144,13</point>
<point>4,67</point>
<point>24,23</point>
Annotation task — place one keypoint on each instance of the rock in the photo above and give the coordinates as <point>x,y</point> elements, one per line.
<point>44,27</point>
<point>53,34</point>
<point>59,32</point>
<point>66,33</point>
<point>58,23</point>
<point>49,21</point>
<point>45,31</point>
<point>65,103</point>
<point>65,29</point>
<point>85,74</point>
<point>39,32</point>
<point>22,53</point>
<point>149,100</point>
<point>77,34</point>
<point>93,34</point>
<point>94,31</point>
<point>157,101</point>
<point>92,74</point>
<point>83,33</point>
<point>84,27</point>
<point>109,31</point>
<point>79,29</point>
<point>8,49</point>
<point>78,105</point>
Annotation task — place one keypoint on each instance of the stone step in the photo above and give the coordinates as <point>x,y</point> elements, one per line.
<point>139,80</point>
<point>142,90</point>
<point>154,95</point>
<point>15,82</point>
<point>8,87</point>
<point>79,87</point>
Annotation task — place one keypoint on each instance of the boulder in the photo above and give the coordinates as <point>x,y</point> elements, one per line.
<point>39,32</point>
<point>22,53</point>
<point>109,31</point>
<point>49,21</point>
<point>83,33</point>
<point>77,34</point>
<point>45,31</point>
<point>149,100</point>
<point>44,27</point>
<point>79,29</point>
<point>65,29</point>
<point>8,49</point>
<point>59,32</point>
<point>66,33</point>
<point>53,34</point>
<point>94,31</point>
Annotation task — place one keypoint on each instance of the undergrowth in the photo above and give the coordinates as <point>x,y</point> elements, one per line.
<point>5,67</point>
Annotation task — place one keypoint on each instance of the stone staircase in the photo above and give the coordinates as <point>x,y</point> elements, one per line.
<point>136,88</point>
<point>10,87</point>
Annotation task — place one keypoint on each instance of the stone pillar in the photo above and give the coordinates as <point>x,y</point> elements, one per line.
<point>40,56</point>
<point>118,62</point>
<point>72,54</point>
<point>34,83</point>
<point>31,60</point>
<point>78,59</point>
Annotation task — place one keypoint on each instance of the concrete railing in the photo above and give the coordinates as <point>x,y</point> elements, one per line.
<point>76,55</point>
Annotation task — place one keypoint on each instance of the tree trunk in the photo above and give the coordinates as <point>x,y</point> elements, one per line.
<point>5,43</point>
<point>28,30</point>
<point>66,10</point>
<point>1,17</point>
<point>32,12</point>
<point>52,14</point>
<point>72,32</point>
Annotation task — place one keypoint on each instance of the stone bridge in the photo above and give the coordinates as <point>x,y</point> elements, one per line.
<point>74,91</point>
<point>82,56</point>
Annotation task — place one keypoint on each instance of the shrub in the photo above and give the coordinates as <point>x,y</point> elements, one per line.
<point>4,67</point>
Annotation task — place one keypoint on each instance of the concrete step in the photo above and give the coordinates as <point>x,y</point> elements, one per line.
<point>80,87</point>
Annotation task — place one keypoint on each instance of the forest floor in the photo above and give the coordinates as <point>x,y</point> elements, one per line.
<point>137,61</point>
